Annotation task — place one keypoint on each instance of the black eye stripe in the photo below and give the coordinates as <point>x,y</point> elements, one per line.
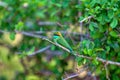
<point>56,34</point>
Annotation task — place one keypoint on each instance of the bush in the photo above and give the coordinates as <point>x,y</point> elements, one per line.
<point>91,27</point>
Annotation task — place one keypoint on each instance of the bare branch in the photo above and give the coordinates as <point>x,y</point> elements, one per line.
<point>40,32</point>
<point>99,59</point>
<point>108,61</point>
<point>72,76</point>
<point>46,23</point>
<point>89,17</point>
<point>77,54</point>
<point>41,23</point>
<point>75,75</point>
<point>40,50</point>
<point>107,75</point>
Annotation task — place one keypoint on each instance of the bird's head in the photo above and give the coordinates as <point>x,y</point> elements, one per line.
<point>57,35</point>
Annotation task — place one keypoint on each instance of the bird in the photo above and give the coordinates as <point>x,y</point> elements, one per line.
<point>59,39</point>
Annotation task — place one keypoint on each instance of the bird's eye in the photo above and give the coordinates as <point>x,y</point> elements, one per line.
<point>57,33</point>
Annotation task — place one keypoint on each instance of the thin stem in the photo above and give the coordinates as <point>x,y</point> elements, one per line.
<point>67,50</point>
<point>87,18</point>
<point>106,69</point>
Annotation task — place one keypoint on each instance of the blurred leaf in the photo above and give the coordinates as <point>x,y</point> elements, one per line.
<point>84,61</point>
<point>53,63</point>
<point>40,14</point>
<point>32,77</point>
<point>85,51</point>
<point>65,3</point>
<point>19,26</point>
<point>116,47</point>
<point>31,50</point>
<point>92,3</point>
<point>95,62</point>
<point>99,49</point>
<point>91,27</point>
<point>107,48</point>
<point>99,39</point>
<point>96,35</point>
<point>90,52</point>
<point>53,47</point>
<point>97,9</point>
<point>12,36</point>
<point>110,14</point>
<point>79,60</point>
<point>81,18</point>
<point>102,2</point>
<point>113,34</point>
<point>114,23</point>
<point>4,51</point>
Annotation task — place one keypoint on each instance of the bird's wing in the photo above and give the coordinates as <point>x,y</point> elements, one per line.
<point>64,43</point>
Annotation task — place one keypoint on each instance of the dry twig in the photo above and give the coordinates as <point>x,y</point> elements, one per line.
<point>75,75</point>
<point>87,18</point>
<point>106,69</point>
<point>77,54</point>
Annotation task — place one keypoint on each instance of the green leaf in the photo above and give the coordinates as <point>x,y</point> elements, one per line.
<point>79,60</point>
<point>65,3</point>
<point>92,3</point>
<point>31,51</point>
<point>91,27</point>
<point>107,48</point>
<point>95,34</point>
<point>84,61</point>
<point>54,13</point>
<point>81,18</point>
<point>85,51</point>
<point>102,2</point>
<point>90,51</point>
<point>99,49</point>
<point>95,62</point>
<point>22,55</point>
<point>97,9</point>
<point>110,14</point>
<point>53,48</point>
<point>58,5</point>
<point>12,36</point>
<point>113,34</point>
<point>107,19</point>
<point>101,18</point>
<point>40,14</point>
<point>19,26</point>
<point>116,47</point>
<point>118,40</point>
<point>114,23</point>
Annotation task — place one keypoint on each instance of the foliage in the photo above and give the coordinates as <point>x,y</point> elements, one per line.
<point>99,37</point>
<point>104,29</point>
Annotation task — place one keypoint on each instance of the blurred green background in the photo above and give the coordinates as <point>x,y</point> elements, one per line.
<point>25,55</point>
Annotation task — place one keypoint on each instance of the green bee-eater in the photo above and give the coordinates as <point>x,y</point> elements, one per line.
<point>59,39</point>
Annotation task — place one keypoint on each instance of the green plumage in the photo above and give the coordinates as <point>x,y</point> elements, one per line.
<point>58,38</point>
